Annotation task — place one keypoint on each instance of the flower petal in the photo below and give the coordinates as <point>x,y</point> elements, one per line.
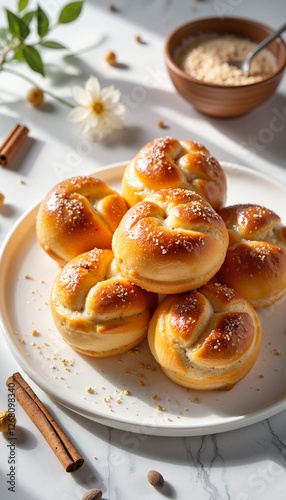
<point>80,95</point>
<point>117,123</point>
<point>85,126</point>
<point>117,109</point>
<point>92,86</point>
<point>110,93</point>
<point>78,113</point>
<point>94,118</point>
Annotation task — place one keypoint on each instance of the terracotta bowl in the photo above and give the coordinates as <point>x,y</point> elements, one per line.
<point>220,100</point>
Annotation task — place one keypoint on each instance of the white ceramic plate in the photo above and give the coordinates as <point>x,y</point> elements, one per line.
<point>127,389</point>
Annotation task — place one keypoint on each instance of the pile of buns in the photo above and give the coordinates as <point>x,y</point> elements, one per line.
<point>168,233</point>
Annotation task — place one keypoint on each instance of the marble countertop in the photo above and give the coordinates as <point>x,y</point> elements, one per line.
<point>242,464</point>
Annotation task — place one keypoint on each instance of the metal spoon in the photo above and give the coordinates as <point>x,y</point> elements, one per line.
<point>245,63</point>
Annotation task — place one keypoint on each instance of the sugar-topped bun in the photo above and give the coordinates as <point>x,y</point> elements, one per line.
<point>205,339</point>
<point>77,215</point>
<point>168,163</point>
<point>255,263</point>
<point>96,310</point>
<point>172,241</point>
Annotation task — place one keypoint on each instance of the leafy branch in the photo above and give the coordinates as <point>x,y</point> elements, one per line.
<point>14,43</point>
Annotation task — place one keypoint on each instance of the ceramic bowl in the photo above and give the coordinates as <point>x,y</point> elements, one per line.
<point>220,100</point>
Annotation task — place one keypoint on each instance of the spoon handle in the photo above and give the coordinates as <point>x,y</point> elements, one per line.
<point>264,43</point>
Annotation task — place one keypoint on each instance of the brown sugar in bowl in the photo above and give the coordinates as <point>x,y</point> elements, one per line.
<point>221,100</point>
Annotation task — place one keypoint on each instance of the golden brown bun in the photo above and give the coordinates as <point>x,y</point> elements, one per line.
<point>171,242</point>
<point>205,339</point>
<point>168,163</point>
<point>96,310</point>
<point>77,215</point>
<point>255,263</point>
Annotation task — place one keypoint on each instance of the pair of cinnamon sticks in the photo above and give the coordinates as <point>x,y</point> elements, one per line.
<point>12,143</point>
<point>56,438</point>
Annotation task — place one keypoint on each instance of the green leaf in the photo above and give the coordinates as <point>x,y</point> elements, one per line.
<point>22,5</point>
<point>33,58</point>
<point>19,56</point>
<point>3,33</point>
<point>43,22</point>
<point>27,18</point>
<point>70,12</point>
<point>17,27</point>
<point>52,45</point>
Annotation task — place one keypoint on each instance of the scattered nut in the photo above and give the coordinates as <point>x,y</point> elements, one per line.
<point>161,124</point>
<point>7,418</point>
<point>93,494</point>
<point>156,479</point>
<point>35,96</point>
<point>2,198</point>
<point>110,57</point>
<point>138,39</point>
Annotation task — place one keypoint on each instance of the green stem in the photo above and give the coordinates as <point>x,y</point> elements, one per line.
<point>14,72</point>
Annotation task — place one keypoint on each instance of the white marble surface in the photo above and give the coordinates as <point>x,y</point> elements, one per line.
<point>244,464</point>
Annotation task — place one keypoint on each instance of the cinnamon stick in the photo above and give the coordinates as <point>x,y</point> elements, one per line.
<point>12,143</point>
<point>56,438</point>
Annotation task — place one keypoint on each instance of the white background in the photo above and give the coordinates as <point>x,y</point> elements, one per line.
<point>240,465</point>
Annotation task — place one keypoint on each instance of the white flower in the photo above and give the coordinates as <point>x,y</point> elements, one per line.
<point>98,109</point>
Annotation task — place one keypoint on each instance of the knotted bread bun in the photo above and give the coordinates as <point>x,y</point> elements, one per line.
<point>168,163</point>
<point>171,242</point>
<point>77,215</point>
<point>205,339</point>
<point>255,263</point>
<point>96,310</point>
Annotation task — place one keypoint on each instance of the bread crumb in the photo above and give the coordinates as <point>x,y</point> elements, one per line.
<point>89,390</point>
<point>27,277</point>
<point>35,333</point>
<point>160,408</point>
<point>194,400</point>
<point>261,375</point>
<point>126,392</point>
<point>135,350</point>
